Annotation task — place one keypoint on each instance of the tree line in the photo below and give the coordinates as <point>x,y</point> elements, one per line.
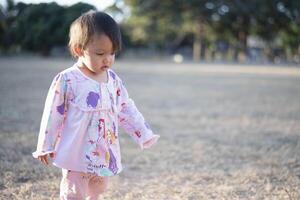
<point>37,27</point>
<point>206,28</point>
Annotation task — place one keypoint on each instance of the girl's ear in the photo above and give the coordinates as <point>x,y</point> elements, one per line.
<point>78,50</point>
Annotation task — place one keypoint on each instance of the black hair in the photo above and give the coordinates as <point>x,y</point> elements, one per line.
<point>94,23</point>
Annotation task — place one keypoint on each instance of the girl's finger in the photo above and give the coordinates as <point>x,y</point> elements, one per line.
<point>44,160</point>
<point>40,158</point>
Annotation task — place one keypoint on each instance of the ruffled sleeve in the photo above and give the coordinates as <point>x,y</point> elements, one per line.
<point>133,122</point>
<point>53,117</point>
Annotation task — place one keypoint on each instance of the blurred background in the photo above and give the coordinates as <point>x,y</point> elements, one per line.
<point>218,80</point>
<point>256,31</point>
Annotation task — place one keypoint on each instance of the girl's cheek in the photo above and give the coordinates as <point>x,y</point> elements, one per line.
<point>113,59</point>
<point>97,60</point>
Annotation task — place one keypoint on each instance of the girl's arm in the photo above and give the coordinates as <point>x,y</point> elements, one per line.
<point>53,117</point>
<point>133,121</point>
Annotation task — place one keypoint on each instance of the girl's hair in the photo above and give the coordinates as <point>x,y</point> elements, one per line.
<point>90,23</point>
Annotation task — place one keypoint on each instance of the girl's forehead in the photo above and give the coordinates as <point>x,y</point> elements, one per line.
<point>101,42</point>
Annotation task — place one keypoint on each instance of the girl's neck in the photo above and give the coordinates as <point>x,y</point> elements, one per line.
<point>101,78</point>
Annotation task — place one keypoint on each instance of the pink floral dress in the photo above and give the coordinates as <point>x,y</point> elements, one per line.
<point>80,123</point>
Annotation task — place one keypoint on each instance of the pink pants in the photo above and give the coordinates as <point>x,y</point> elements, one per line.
<point>79,186</point>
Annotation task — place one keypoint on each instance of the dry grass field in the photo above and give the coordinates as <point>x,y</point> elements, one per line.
<point>227,132</point>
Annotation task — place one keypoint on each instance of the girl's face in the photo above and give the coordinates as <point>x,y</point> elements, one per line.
<point>98,55</point>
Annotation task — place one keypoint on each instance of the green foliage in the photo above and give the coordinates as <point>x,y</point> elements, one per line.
<point>162,24</point>
<point>226,20</point>
<point>39,27</point>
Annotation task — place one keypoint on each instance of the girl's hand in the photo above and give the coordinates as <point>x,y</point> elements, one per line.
<point>44,158</point>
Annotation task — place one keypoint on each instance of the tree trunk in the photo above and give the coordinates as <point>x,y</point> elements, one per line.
<point>241,47</point>
<point>243,41</point>
<point>198,45</point>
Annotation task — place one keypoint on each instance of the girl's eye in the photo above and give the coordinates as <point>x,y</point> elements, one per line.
<point>101,54</point>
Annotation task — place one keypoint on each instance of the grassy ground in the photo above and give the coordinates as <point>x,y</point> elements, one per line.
<point>227,132</point>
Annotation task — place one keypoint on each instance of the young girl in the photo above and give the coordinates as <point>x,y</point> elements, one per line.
<point>84,106</point>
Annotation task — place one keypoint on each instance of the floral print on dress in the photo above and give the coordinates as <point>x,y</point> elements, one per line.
<point>112,74</point>
<point>92,99</point>
<point>83,133</point>
<point>61,109</point>
<point>53,116</point>
<point>112,162</point>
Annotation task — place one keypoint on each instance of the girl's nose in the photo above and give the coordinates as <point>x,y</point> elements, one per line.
<point>107,59</point>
